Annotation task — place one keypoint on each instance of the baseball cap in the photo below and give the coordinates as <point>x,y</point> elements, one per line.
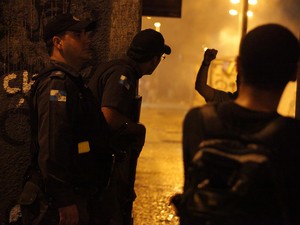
<point>146,44</point>
<point>66,22</point>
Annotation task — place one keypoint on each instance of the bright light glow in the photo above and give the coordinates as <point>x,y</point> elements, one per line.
<point>149,17</point>
<point>235,1</point>
<point>249,13</point>
<point>233,12</point>
<point>252,2</point>
<point>157,24</point>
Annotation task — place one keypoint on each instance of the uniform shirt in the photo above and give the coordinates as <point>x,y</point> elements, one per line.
<point>115,85</point>
<point>70,133</point>
<point>245,121</point>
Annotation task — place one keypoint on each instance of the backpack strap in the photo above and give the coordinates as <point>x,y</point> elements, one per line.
<point>211,120</point>
<point>270,131</point>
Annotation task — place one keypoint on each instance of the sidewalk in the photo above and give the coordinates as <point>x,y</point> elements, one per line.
<point>160,166</point>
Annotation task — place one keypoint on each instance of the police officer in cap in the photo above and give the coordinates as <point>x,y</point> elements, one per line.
<point>115,84</point>
<point>68,129</point>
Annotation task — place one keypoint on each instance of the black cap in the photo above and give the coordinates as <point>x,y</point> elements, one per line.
<point>66,22</point>
<point>146,44</point>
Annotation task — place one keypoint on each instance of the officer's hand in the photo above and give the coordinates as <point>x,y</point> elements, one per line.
<point>209,55</point>
<point>69,215</point>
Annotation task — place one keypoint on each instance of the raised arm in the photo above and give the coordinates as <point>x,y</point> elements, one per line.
<point>201,81</point>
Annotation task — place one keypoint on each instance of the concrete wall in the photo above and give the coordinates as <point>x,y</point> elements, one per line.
<point>23,53</point>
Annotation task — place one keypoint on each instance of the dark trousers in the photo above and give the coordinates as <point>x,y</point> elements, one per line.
<point>88,207</point>
<point>116,205</point>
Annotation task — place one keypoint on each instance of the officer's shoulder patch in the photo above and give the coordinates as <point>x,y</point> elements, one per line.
<point>58,74</point>
<point>124,81</point>
<point>58,95</point>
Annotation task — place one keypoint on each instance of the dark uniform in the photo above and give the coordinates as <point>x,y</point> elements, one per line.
<point>115,86</point>
<point>71,137</point>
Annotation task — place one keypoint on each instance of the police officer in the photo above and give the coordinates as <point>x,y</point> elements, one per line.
<point>115,85</point>
<point>70,131</point>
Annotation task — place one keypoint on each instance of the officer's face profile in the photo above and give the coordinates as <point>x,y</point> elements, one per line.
<point>77,44</point>
<point>154,62</point>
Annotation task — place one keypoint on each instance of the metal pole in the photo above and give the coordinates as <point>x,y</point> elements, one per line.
<point>244,18</point>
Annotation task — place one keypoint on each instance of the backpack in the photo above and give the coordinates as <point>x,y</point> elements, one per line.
<point>225,176</point>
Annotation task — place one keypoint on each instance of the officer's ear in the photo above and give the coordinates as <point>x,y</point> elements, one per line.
<point>57,42</point>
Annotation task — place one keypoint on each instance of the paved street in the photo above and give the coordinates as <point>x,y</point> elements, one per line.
<point>160,166</point>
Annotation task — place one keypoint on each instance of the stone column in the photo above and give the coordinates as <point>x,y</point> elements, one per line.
<point>122,27</point>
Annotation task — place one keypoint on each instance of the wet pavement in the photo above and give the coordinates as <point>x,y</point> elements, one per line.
<point>160,166</point>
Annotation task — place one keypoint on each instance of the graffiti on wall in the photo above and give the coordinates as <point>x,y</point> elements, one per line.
<point>22,54</point>
<point>21,33</point>
<point>26,84</point>
<point>16,112</point>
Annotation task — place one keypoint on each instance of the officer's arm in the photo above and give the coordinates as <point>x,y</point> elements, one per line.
<point>116,120</point>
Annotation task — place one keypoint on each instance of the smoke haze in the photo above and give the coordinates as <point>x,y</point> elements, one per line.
<point>205,23</point>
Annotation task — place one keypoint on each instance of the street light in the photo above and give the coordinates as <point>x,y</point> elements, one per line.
<point>245,13</point>
<point>249,13</point>
<point>244,18</point>
<point>233,12</point>
<point>252,2</point>
<point>157,26</point>
<point>235,1</point>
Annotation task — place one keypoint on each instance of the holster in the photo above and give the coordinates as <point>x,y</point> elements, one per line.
<point>33,202</point>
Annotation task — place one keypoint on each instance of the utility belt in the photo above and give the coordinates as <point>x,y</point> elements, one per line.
<point>33,200</point>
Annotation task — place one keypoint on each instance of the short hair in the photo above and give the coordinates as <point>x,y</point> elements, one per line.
<point>268,56</point>
<point>50,45</point>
